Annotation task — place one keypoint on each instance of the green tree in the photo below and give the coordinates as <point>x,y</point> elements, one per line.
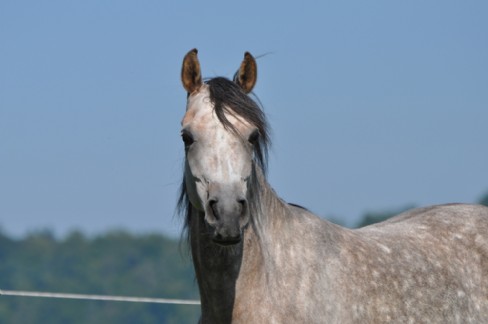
<point>376,217</point>
<point>484,200</point>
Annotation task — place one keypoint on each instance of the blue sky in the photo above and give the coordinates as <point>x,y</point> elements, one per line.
<point>373,105</point>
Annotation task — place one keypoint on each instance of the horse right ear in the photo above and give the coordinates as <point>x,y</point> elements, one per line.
<point>191,76</point>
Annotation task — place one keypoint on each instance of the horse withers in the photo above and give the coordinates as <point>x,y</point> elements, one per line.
<point>258,259</point>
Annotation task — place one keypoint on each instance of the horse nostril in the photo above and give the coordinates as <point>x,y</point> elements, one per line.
<point>213,205</point>
<point>243,204</point>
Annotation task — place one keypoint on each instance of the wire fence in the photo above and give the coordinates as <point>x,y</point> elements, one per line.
<point>98,297</point>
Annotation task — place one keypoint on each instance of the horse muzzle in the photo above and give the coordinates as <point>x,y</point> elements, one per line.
<point>226,217</point>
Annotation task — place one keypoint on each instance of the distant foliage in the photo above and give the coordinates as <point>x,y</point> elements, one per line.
<point>116,263</point>
<point>376,217</point>
<point>484,200</point>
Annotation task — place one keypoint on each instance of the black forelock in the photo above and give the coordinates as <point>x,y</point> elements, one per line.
<point>228,97</point>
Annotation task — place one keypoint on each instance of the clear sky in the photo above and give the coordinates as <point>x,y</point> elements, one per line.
<point>374,105</point>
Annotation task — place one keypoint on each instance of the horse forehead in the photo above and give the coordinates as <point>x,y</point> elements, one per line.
<point>199,108</point>
<point>201,116</point>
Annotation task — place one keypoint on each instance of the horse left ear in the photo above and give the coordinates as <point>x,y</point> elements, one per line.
<point>247,74</point>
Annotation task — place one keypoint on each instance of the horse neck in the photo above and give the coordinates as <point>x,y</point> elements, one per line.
<point>284,230</point>
<point>271,213</point>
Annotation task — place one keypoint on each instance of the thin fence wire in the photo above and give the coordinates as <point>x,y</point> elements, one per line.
<point>98,297</point>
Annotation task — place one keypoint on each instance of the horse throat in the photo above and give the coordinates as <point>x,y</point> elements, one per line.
<point>217,269</point>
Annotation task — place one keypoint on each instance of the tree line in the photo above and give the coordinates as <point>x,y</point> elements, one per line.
<point>115,263</point>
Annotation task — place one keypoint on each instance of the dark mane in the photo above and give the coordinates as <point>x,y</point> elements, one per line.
<point>228,98</point>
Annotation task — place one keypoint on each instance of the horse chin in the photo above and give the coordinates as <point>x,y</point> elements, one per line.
<point>225,236</point>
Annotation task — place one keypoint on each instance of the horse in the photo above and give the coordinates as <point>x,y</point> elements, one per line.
<point>258,259</point>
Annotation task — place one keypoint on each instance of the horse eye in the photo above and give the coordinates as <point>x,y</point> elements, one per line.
<point>253,138</point>
<point>187,138</point>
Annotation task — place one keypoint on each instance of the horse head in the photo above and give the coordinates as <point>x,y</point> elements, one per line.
<point>222,130</point>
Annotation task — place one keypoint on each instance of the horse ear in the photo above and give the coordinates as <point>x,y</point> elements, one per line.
<point>191,76</point>
<point>247,74</point>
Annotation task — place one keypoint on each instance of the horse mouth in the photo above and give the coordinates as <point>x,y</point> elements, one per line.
<point>227,242</point>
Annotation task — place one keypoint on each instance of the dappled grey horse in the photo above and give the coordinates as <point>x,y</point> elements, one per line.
<point>260,260</point>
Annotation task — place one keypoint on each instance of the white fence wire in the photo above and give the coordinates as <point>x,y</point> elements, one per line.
<point>98,297</point>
